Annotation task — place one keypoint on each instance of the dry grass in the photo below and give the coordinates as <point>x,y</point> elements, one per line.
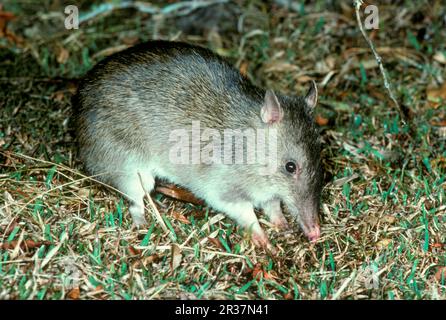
<point>62,235</point>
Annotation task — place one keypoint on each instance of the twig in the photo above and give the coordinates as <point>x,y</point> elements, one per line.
<point>53,251</point>
<point>180,8</point>
<point>357,4</point>
<point>108,7</point>
<point>344,285</point>
<point>187,248</point>
<point>154,208</point>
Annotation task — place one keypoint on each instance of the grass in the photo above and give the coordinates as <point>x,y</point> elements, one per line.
<point>63,235</point>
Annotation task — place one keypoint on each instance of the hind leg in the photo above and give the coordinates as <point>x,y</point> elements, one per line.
<point>132,187</point>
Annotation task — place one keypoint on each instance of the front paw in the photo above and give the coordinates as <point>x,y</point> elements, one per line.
<point>137,213</point>
<point>261,240</point>
<point>140,222</point>
<point>280,223</point>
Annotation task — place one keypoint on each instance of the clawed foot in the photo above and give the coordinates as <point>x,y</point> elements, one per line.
<point>261,240</point>
<point>274,212</point>
<point>280,222</point>
<point>137,214</point>
<point>140,222</point>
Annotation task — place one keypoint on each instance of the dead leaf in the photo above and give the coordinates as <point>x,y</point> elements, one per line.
<point>216,242</point>
<point>150,259</point>
<point>331,62</point>
<point>134,251</point>
<point>109,51</point>
<point>130,41</point>
<point>26,244</point>
<point>388,219</point>
<point>258,272</point>
<point>436,94</point>
<point>8,229</point>
<point>58,96</point>
<point>344,180</point>
<point>222,51</point>
<point>440,274</point>
<point>5,17</point>
<point>98,288</point>
<point>180,217</point>
<point>383,244</point>
<point>74,294</point>
<point>303,79</point>
<point>176,257</point>
<point>83,192</point>
<point>288,296</point>
<point>244,68</point>
<point>62,55</point>
<point>280,66</point>
<point>441,123</point>
<point>178,193</point>
<point>437,245</point>
<point>440,57</point>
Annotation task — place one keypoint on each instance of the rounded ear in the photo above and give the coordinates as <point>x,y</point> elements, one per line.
<point>311,96</point>
<point>271,111</point>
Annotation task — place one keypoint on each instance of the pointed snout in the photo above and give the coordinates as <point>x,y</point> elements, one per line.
<point>307,214</point>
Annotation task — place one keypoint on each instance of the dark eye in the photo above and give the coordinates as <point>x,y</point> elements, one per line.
<point>291,167</point>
